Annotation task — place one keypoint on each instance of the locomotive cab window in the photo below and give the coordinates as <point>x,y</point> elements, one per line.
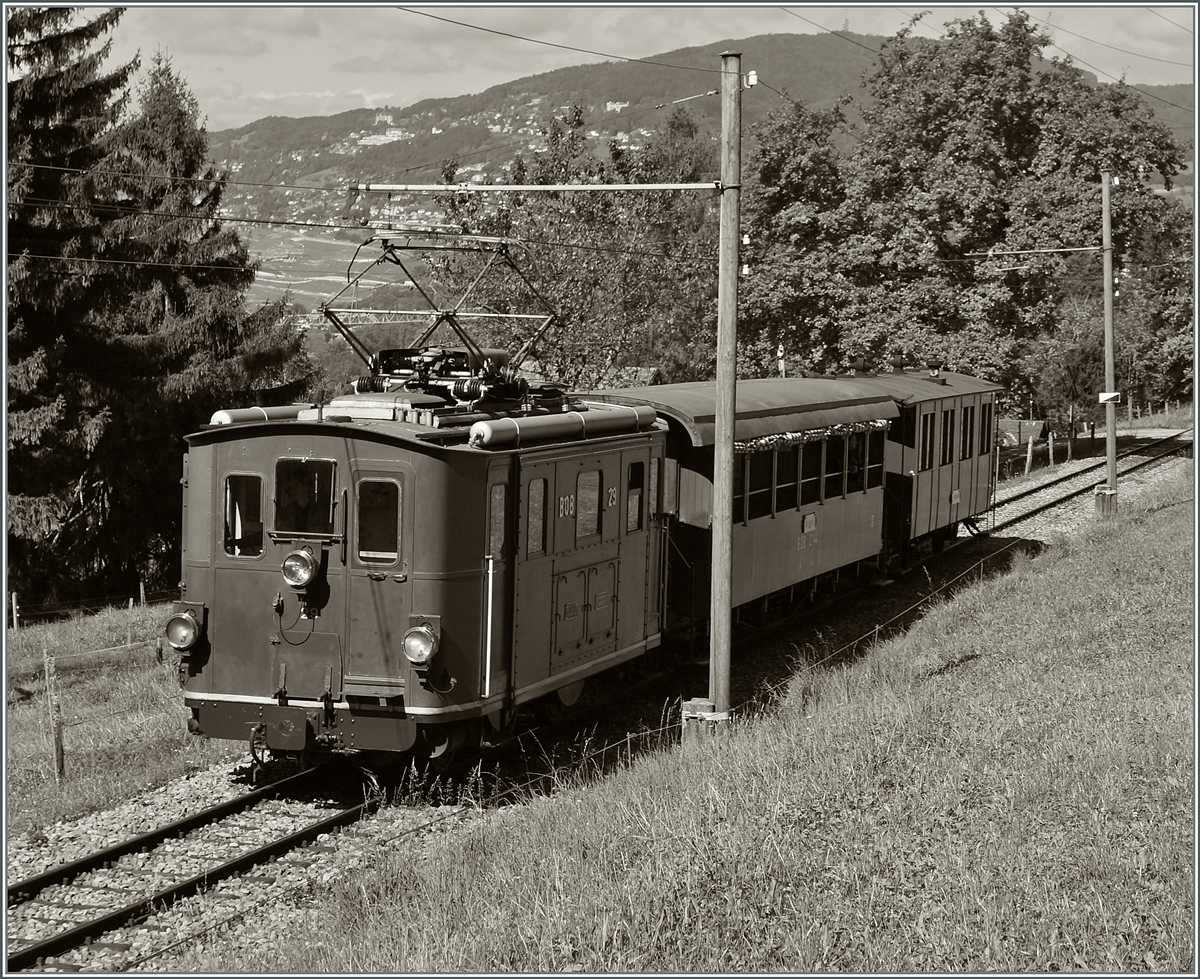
<point>587,491</point>
<point>633,506</point>
<point>497,522</point>
<point>378,522</point>
<point>535,542</point>
<point>243,515</point>
<point>304,496</point>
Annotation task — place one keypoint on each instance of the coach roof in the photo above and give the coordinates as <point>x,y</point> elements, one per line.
<point>767,406</point>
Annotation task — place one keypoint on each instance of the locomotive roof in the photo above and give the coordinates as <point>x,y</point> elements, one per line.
<point>911,387</point>
<point>765,406</point>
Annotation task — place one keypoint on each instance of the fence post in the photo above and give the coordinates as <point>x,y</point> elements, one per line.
<point>1050,436</point>
<point>55,714</point>
<point>1029,457</point>
<point>129,625</point>
<point>142,591</point>
<point>16,614</point>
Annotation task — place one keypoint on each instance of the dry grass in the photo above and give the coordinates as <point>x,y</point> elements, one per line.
<point>124,725</point>
<point>1009,787</point>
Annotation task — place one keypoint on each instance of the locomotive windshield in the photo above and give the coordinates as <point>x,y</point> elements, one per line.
<point>304,496</point>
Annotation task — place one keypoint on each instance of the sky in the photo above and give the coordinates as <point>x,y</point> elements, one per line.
<point>246,62</point>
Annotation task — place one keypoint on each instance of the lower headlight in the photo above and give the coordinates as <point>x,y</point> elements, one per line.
<point>419,645</point>
<point>183,630</point>
<point>299,568</point>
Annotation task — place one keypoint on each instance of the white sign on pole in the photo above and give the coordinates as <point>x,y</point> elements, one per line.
<point>1110,397</point>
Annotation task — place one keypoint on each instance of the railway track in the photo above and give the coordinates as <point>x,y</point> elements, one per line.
<point>66,909</point>
<point>1023,505</point>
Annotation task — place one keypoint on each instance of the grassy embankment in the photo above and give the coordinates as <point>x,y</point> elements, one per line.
<point>1008,787</point>
<point>125,728</point>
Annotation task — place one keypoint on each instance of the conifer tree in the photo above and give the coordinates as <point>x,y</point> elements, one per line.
<point>60,105</point>
<point>134,335</point>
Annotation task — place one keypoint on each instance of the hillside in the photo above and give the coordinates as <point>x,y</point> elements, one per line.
<point>622,101</point>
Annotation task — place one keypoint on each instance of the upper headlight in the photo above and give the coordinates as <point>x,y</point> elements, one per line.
<point>419,645</point>
<point>183,630</point>
<point>299,568</point>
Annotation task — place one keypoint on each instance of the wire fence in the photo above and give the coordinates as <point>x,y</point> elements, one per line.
<point>18,615</point>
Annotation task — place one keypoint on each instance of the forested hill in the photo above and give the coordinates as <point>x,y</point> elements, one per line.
<point>410,143</point>
<point>623,100</point>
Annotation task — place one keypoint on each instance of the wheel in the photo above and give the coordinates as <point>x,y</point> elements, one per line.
<point>460,739</point>
<point>551,707</point>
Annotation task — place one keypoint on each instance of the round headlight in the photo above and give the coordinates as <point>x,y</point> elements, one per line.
<point>183,630</point>
<point>299,568</point>
<point>419,645</point>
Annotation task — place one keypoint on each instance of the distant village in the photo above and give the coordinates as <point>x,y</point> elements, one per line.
<point>516,120</point>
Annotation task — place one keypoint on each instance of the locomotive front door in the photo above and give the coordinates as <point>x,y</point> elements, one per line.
<point>377,550</point>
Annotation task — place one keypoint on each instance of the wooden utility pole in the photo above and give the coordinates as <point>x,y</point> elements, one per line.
<point>721,608</point>
<point>1106,499</point>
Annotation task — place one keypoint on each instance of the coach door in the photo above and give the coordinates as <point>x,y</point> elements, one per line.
<point>378,549</point>
<point>534,559</point>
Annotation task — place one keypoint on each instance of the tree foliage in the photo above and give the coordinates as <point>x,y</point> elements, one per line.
<point>127,326</point>
<point>970,144</point>
<point>629,275</point>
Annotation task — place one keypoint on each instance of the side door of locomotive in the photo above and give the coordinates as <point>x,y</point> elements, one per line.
<point>534,560</point>
<point>379,561</point>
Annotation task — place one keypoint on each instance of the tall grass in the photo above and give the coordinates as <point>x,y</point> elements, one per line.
<point>124,724</point>
<point>1007,787</point>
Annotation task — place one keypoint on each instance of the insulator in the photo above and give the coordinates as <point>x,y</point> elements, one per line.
<point>468,388</point>
<point>370,382</point>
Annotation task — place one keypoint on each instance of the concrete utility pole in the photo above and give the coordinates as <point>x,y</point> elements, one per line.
<point>721,608</point>
<point>1106,499</point>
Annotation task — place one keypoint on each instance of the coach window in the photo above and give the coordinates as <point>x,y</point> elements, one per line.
<point>762,471</point>
<point>927,441</point>
<point>633,497</point>
<point>835,466</point>
<point>304,496</point>
<point>856,462</point>
<point>378,521</point>
<point>985,428</point>
<point>967,449</point>
<point>588,513</point>
<point>243,515</point>
<point>904,428</point>
<point>536,541</point>
<point>497,524</point>
<point>947,437</point>
<point>785,479</point>
<point>875,442</point>
<point>810,472</point>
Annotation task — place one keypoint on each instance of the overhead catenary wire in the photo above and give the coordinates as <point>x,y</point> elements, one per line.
<point>565,47</point>
<point>1168,20</point>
